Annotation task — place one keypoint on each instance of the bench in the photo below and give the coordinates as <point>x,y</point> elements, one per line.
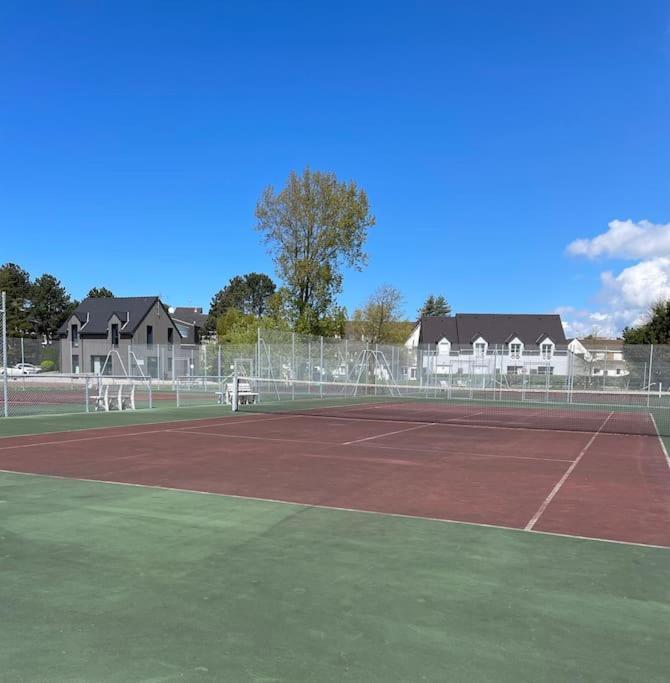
<point>121,397</point>
<point>244,394</point>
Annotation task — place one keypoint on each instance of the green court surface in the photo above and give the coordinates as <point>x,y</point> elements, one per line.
<point>104,582</point>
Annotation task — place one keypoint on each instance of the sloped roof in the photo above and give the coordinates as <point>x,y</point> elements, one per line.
<point>98,310</point>
<point>496,328</point>
<point>190,314</point>
<point>601,344</point>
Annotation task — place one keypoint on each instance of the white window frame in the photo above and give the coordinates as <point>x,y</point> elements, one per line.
<point>552,347</point>
<point>480,342</point>
<point>513,354</point>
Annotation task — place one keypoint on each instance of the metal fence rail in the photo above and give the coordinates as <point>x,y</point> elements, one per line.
<point>39,376</point>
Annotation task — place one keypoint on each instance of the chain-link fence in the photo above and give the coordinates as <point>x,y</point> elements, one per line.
<point>40,378</point>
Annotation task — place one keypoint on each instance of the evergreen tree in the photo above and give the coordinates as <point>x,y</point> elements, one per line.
<point>655,331</point>
<point>51,306</point>
<point>100,293</point>
<point>15,282</point>
<point>434,305</point>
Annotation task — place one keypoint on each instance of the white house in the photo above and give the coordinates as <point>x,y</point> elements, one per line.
<point>600,357</point>
<point>491,343</point>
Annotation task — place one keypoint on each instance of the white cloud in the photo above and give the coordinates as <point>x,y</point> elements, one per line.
<point>639,286</point>
<point>626,240</point>
<point>625,297</point>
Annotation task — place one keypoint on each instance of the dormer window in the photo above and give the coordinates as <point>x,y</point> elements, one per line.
<point>480,346</point>
<point>547,349</point>
<point>74,333</point>
<point>444,347</point>
<point>115,334</point>
<point>516,348</point>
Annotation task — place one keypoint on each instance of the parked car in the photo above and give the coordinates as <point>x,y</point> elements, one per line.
<point>27,368</point>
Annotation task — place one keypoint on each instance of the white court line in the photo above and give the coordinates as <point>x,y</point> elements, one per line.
<point>660,440</point>
<point>117,426</point>
<point>467,417</point>
<point>317,506</point>
<point>534,519</point>
<point>118,436</point>
<point>254,438</point>
<point>515,428</point>
<point>334,444</point>
<point>379,436</point>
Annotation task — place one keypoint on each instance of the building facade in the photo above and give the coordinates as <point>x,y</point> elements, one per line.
<point>126,336</point>
<point>490,344</point>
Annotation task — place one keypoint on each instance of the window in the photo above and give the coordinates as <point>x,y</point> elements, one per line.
<point>75,335</point>
<point>545,370</point>
<point>170,335</point>
<point>100,362</point>
<point>618,371</point>
<point>115,334</point>
<point>546,350</point>
<point>150,335</point>
<point>480,349</point>
<point>515,350</point>
<point>75,363</point>
<point>515,369</point>
<point>152,366</point>
<point>169,365</point>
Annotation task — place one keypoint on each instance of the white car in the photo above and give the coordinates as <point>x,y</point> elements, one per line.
<point>27,368</point>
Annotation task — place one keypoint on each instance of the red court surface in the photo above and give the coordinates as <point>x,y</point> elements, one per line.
<point>592,484</point>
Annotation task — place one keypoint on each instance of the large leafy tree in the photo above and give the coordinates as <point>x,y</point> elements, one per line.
<point>249,294</point>
<point>235,327</point>
<point>51,306</point>
<point>655,331</point>
<point>314,227</point>
<point>380,319</point>
<point>100,293</point>
<point>434,305</point>
<point>15,282</point>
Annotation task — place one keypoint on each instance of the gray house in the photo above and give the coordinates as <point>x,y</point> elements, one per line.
<point>125,336</point>
<point>191,322</point>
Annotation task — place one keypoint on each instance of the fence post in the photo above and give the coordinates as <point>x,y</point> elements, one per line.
<point>651,365</point>
<point>86,396</point>
<point>176,387</point>
<point>151,395</point>
<point>218,361</point>
<point>293,366</point>
<point>5,369</point>
<point>321,368</point>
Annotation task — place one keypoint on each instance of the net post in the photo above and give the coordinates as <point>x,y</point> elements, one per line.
<point>5,368</point>
<point>234,399</point>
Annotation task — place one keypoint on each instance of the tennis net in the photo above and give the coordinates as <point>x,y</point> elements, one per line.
<point>615,412</point>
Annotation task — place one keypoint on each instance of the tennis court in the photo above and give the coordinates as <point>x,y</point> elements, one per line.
<point>396,458</point>
<point>506,542</point>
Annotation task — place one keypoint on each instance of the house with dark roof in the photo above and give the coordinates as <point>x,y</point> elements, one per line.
<point>191,322</point>
<point>490,343</point>
<point>600,357</point>
<point>123,336</point>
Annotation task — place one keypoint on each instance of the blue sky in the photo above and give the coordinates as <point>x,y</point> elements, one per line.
<point>136,139</point>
